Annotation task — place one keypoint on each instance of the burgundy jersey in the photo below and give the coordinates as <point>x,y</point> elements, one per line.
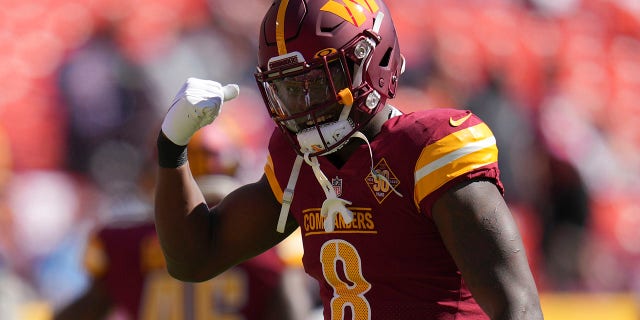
<point>128,260</point>
<point>390,262</point>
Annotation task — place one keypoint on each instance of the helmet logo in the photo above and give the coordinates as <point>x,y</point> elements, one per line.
<point>351,10</point>
<point>325,52</point>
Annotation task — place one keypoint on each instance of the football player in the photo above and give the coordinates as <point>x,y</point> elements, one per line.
<point>402,216</point>
<point>130,281</point>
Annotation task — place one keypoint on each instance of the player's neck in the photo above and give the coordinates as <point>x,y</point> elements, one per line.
<point>341,156</point>
<point>374,126</point>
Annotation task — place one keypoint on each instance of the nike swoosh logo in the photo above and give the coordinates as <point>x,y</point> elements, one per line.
<point>455,123</point>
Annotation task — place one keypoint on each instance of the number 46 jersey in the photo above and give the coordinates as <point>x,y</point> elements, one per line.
<point>389,262</point>
<point>128,261</point>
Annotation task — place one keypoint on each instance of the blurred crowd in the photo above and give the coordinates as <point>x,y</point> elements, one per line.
<point>85,83</point>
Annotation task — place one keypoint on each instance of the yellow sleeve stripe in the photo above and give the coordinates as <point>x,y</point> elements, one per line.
<point>270,172</point>
<point>95,259</point>
<point>453,156</point>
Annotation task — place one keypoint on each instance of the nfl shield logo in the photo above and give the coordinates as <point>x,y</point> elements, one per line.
<point>337,185</point>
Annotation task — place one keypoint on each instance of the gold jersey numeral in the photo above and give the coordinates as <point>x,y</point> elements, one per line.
<point>349,293</point>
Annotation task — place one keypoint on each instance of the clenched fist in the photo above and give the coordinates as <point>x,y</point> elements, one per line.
<point>196,105</point>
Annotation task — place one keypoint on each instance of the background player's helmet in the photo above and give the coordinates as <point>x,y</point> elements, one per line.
<point>325,68</point>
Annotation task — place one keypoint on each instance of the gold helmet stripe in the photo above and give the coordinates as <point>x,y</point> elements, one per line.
<point>282,10</point>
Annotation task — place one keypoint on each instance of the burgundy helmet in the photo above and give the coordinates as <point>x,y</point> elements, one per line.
<point>325,62</point>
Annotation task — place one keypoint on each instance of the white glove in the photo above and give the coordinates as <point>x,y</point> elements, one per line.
<point>196,105</point>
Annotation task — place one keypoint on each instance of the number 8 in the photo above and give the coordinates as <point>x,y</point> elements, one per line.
<point>344,293</point>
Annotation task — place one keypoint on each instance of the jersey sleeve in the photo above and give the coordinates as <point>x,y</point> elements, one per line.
<point>270,173</point>
<point>462,147</point>
<point>279,163</point>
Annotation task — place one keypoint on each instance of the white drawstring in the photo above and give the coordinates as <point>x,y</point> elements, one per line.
<point>375,173</point>
<point>332,205</point>
<point>287,196</point>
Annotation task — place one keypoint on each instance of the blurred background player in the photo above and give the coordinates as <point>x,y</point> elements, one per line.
<point>128,271</point>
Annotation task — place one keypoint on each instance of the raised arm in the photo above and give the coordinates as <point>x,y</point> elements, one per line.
<point>199,243</point>
<point>94,303</point>
<point>483,239</point>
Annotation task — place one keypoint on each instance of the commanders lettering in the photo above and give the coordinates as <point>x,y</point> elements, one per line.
<point>362,221</point>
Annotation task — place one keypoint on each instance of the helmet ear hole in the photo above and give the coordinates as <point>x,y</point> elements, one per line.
<point>384,62</point>
<point>351,66</point>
